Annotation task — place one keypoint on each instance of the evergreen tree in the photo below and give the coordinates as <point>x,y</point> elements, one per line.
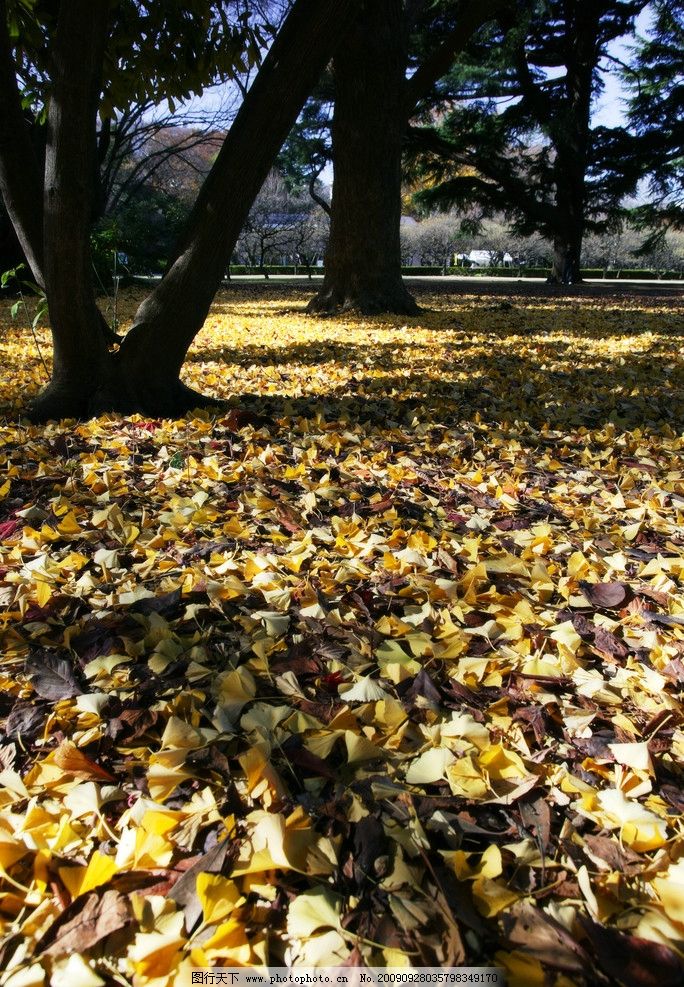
<point>656,111</point>
<point>308,148</point>
<point>515,133</point>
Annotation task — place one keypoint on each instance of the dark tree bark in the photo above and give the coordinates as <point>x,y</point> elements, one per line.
<point>567,250</point>
<point>23,158</point>
<point>20,180</point>
<point>571,135</point>
<point>363,260</point>
<point>11,254</point>
<point>153,352</point>
<point>373,104</point>
<point>567,219</point>
<point>80,354</point>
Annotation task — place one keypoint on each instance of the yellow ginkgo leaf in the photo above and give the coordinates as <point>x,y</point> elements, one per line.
<point>217,895</point>
<point>99,870</point>
<point>312,911</point>
<point>670,890</point>
<point>640,829</point>
<point>430,766</point>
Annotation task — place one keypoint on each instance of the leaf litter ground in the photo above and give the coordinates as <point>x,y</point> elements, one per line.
<point>384,666</point>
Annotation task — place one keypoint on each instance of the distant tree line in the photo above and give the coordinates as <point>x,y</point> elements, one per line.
<point>436,241</point>
<point>283,227</point>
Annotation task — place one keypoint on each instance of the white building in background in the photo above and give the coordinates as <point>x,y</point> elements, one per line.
<point>485,258</point>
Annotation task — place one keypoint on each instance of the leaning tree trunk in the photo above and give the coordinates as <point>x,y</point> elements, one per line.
<point>20,180</point>
<point>144,374</point>
<point>11,254</point>
<point>363,259</point>
<point>153,352</point>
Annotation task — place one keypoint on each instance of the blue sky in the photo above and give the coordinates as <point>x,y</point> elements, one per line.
<point>610,107</point>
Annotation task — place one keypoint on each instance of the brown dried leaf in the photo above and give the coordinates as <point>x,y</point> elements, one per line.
<point>532,930</point>
<point>26,720</point>
<point>52,678</point>
<point>607,596</point>
<point>184,891</point>
<point>618,858</point>
<point>536,817</point>
<point>609,643</point>
<point>634,962</point>
<point>86,922</point>
<point>666,619</point>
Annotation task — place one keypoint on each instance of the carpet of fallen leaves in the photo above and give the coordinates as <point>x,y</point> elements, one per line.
<point>384,667</point>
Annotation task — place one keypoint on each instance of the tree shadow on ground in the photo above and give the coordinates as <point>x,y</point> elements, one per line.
<point>526,288</point>
<point>541,359</point>
<point>523,288</point>
<point>550,367</point>
<point>575,398</point>
<point>631,313</point>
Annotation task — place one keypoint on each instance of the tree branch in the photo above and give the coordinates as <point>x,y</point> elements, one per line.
<point>442,58</point>
<point>317,198</point>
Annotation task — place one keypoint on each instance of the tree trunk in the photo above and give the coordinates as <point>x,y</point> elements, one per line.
<point>20,180</point>
<point>262,269</point>
<point>81,362</point>
<point>22,155</point>
<point>571,134</point>
<point>568,218</point>
<point>373,103</point>
<point>363,259</point>
<point>567,251</point>
<point>11,254</point>
<point>153,352</point>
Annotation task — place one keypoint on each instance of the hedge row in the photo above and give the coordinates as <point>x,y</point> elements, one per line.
<point>498,272</point>
<point>633,274</point>
<point>274,269</point>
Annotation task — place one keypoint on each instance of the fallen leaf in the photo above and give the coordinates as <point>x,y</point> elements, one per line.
<point>72,760</point>
<point>605,595</point>
<point>632,961</point>
<point>85,923</point>
<point>52,678</point>
<point>184,891</point>
<point>533,931</point>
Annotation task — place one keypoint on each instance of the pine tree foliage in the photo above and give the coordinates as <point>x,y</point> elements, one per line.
<point>513,130</point>
<point>656,112</point>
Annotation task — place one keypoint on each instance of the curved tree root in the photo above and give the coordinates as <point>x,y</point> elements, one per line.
<point>173,399</point>
<point>56,402</point>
